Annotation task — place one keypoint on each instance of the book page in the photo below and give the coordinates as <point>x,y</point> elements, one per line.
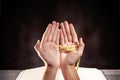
<point>84,74</point>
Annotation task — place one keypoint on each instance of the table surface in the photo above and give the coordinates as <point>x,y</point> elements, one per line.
<point>12,74</point>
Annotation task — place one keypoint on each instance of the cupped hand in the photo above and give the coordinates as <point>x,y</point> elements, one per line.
<point>68,36</point>
<point>48,47</point>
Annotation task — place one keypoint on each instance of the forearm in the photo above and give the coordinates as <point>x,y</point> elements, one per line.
<point>50,73</point>
<point>69,72</point>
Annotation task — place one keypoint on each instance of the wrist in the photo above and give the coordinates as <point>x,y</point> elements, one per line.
<point>67,66</point>
<point>51,67</point>
<point>69,72</point>
<point>50,72</point>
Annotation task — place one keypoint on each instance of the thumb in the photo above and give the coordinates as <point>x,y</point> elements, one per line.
<point>81,46</point>
<point>37,47</point>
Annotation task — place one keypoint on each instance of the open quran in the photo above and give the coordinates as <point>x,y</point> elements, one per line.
<point>83,72</point>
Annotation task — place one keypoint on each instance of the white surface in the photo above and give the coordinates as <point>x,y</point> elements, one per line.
<point>84,74</point>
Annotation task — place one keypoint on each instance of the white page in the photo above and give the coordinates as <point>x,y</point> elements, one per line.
<point>84,74</point>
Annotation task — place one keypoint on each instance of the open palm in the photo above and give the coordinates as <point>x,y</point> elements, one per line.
<point>68,36</point>
<point>48,48</point>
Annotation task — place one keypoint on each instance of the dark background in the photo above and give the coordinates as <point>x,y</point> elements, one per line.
<point>23,22</point>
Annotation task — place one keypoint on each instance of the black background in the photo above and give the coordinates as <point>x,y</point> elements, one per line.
<point>23,22</point>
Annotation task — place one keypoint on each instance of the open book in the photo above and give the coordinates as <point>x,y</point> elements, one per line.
<point>84,74</point>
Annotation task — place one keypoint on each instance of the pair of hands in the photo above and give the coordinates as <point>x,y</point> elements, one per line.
<point>48,47</point>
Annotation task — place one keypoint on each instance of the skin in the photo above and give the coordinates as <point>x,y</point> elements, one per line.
<point>48,50</point>
<point>68,60</point>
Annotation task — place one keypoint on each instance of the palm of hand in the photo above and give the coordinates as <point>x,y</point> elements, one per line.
<point>70,57</point>
<point>51,53</point>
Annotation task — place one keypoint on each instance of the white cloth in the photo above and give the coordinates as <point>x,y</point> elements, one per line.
<point>84,74</point>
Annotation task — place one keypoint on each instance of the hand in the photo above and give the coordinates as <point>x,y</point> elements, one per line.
<point>48,48</point>
<point>68,36</point>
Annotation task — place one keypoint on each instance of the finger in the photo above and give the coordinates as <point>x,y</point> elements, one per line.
<point>61,38</point>
<point>57,37</point>
<point>64,33</point>
<point>73,33</point>
<point>37,47</point>
<point>81,46</point>
<point>55,34</point>
<point>67,30</point>
<point>47,31</point>
<point>81,42</point>
<point>50,35</point>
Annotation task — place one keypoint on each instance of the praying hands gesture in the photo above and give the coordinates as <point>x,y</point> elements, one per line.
<point>69,37</point>
<point>48,50</point>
